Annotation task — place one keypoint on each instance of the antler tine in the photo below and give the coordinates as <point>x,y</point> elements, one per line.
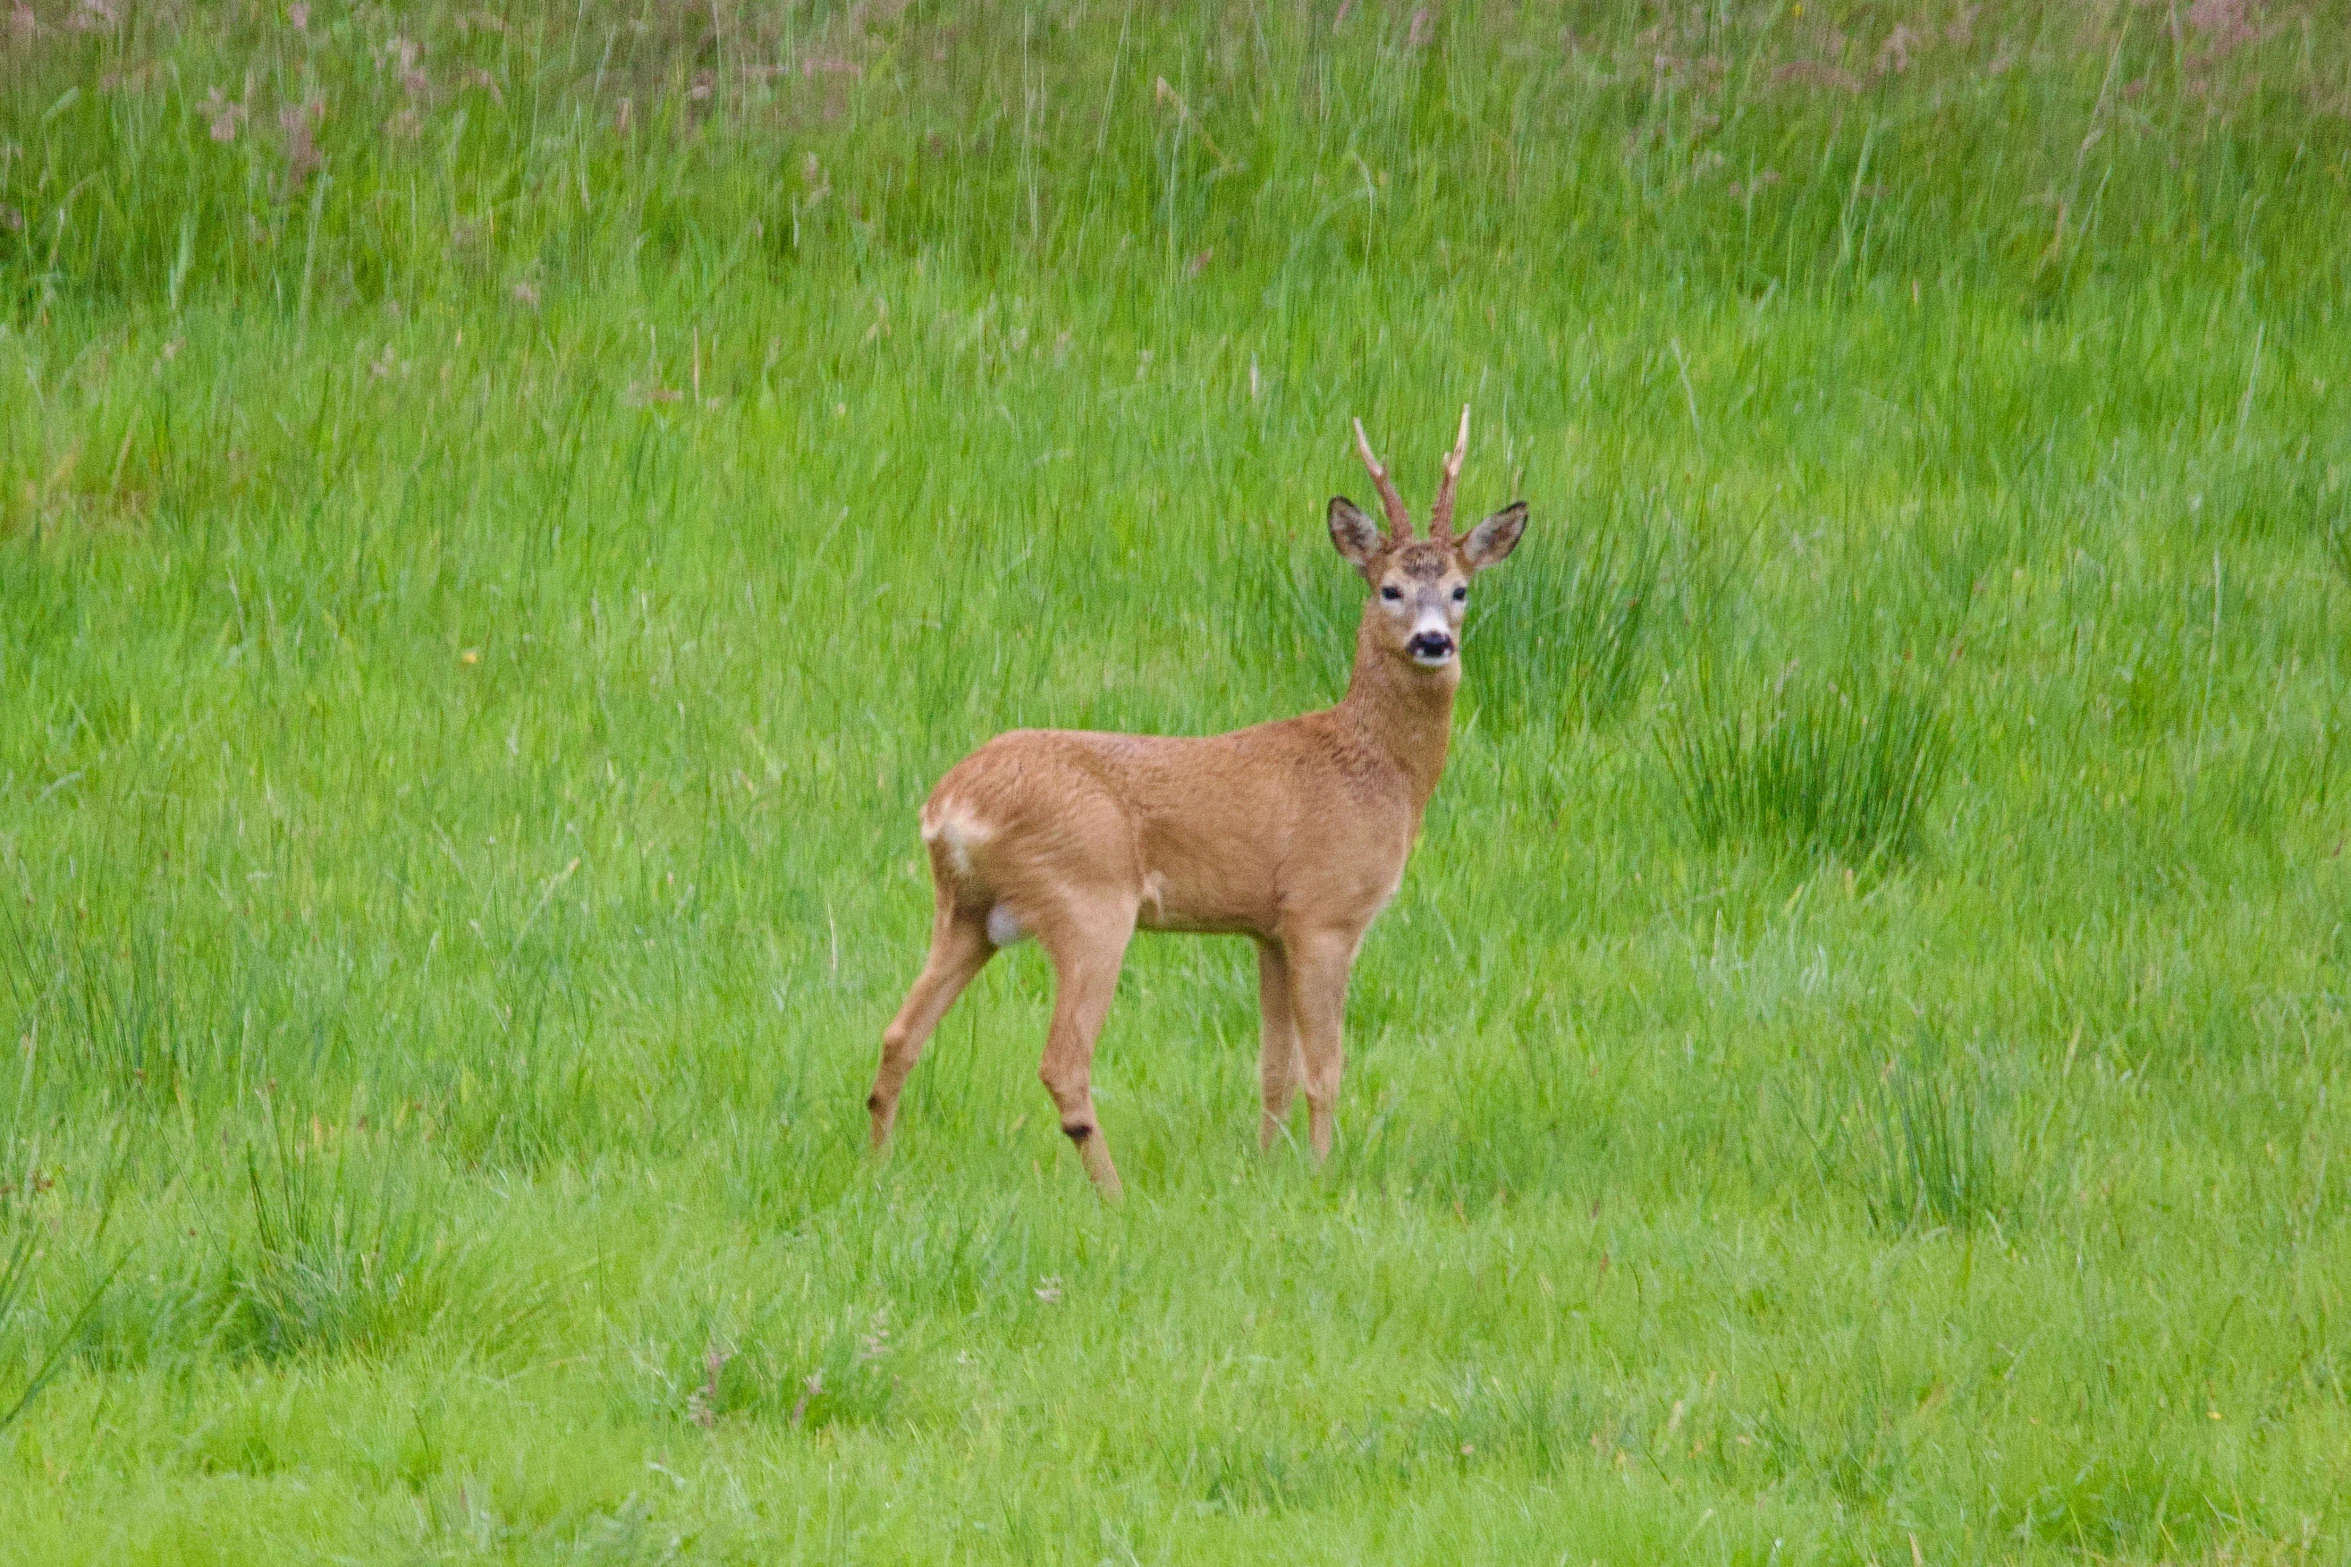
<point>1441,514</point>
<point>1399,520</point>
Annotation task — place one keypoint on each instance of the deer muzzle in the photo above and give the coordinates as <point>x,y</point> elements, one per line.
<point>1431,644</point>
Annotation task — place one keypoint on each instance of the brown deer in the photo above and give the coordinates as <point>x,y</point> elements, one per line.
<point>1292,833</point>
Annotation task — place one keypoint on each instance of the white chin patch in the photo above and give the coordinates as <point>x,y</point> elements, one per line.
<point>1436,661</point>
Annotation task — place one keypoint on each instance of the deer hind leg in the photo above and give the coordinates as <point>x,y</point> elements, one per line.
<point>1280,1066</point>
<point>1086,945</point>
<point>1318,966</point>
<point>959,949</point>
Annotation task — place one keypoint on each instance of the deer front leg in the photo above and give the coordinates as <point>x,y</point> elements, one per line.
<point>1086,955</point>
<point>1280,1067</point>
<point>1318,966</point>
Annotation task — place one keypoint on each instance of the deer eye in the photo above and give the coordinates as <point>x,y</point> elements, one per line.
<point>1392,594</point>
<point>1459,594</point>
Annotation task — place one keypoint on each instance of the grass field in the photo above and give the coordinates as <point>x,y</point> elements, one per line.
<point>505,513</point>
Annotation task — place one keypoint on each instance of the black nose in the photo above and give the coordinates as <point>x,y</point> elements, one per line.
<point>1430,644</point>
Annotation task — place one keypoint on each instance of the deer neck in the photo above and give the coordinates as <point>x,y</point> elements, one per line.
<point>1403,715</point>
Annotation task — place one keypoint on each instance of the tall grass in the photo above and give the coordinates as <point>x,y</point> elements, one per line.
<point>1809,763</point>
<point>1560,637</point>
<point>35,1343</point>
<point>28,1367</point>
<point>185,152</point>
<point>343,1258</point>
<point>507,509</point>
<point>1938,1144</point>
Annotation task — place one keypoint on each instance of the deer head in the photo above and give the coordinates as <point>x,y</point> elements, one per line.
<point>1420,587</point>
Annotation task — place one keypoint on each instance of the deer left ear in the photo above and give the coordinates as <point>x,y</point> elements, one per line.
<point>1491,541</point>
<point>1354,534</point>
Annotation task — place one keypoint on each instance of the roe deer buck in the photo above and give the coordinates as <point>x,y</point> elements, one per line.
<point>1294,833</point>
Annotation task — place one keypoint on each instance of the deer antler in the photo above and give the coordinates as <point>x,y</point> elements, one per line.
<point>1399,520</point>
<point>1441,514</point>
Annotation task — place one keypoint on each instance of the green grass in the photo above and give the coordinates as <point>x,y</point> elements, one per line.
<point>490,565</point>
<point>1826,767</point>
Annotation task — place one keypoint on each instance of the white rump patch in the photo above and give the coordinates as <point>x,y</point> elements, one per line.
<point>961,832</point>
<point>1003,928</point>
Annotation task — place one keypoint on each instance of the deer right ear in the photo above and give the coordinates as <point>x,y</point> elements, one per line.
<point>1356,536</point>
<point>1493,540</point>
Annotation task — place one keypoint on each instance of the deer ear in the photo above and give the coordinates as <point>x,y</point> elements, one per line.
<point>1491,541</point>
<point>1356,536</point>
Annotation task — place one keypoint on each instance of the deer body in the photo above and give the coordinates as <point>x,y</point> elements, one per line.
<point>1294,833</point>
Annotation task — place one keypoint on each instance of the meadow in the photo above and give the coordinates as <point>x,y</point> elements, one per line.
<point>506,510</point>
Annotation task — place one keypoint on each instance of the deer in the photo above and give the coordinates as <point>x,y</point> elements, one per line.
<point>1293,833</point>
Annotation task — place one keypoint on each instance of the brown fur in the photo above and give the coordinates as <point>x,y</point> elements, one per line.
<point>1294,833</point>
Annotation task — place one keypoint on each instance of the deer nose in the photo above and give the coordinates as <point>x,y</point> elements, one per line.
<point>1430,646</point>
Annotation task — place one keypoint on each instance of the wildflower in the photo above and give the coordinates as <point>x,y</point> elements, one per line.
<point>224,115</point>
